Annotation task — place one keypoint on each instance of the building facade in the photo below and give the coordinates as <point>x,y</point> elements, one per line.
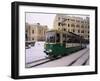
<point>35,32</point>
<point>77,25</point>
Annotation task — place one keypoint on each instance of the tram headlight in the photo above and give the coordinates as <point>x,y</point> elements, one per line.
<point>50,50</point>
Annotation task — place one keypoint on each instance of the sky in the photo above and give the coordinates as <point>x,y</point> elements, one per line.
<point>43,18</point>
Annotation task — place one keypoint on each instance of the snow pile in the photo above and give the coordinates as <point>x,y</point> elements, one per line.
<point>35,52</point>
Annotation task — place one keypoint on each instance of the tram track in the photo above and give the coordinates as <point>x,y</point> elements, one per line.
<point>85,61</point>
<point>37,62</point>
<point>74,61</point>
<point>46,60</point>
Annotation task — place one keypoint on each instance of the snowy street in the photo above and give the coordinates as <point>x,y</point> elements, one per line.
<point>36,52</point>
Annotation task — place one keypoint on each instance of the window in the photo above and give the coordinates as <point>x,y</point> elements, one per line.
<point>72,20</point>
<point>77,20</point>
<point>68,25</point>
<point>82,31</point>
<point>68,30</point>
<point>82,21</point>
<point>78,31</point>
<point>64,37</point>
<point>58,23</point>
<point>57,37</point>
<point>85,22</point>
<point>78,25</point>
<point>50,37</point>
<point>32,38</point>
<point>82,26</point>
<point>88,36</point>
<point>68,19</point>
<point>72,25</point>
<point>64,29</point>
<point>33,31</point>
<point>73,30</point>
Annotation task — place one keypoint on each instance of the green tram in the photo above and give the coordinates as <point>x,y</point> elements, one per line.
<point>62,43</point>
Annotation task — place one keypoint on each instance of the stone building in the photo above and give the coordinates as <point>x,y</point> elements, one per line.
<point>35,32</point>
<point>75,24</point>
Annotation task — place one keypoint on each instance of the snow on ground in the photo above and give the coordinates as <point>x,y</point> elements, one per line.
<point>65,61</point>
<point>35,52</point>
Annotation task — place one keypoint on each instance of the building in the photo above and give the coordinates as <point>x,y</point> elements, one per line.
<point>35,32</point>
<point>77,25</point>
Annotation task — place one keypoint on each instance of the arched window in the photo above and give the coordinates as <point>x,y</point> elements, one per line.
<point>78,25</point>
<point>82,26</point>
<point>68,25</point>
<point>72,25</point>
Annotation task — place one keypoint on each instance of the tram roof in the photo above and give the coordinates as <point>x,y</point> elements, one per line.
<point>67,32</point>
<point>59,31</point>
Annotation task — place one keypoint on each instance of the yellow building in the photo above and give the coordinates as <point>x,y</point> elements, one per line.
<point>35,32</point>
<point>77,25</point>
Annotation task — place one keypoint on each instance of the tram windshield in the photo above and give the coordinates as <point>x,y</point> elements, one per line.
<point>50,37</point>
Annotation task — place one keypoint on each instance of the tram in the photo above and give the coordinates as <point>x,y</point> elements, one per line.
<point>60,43</point>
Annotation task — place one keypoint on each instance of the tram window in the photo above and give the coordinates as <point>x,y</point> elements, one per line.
<point>69,40</point>
<point>47,40</point>
<point>57,37</point>
<point>52,39</point>
<point>64,37</point>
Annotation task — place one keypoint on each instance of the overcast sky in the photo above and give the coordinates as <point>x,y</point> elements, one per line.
<point>43,18</point>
